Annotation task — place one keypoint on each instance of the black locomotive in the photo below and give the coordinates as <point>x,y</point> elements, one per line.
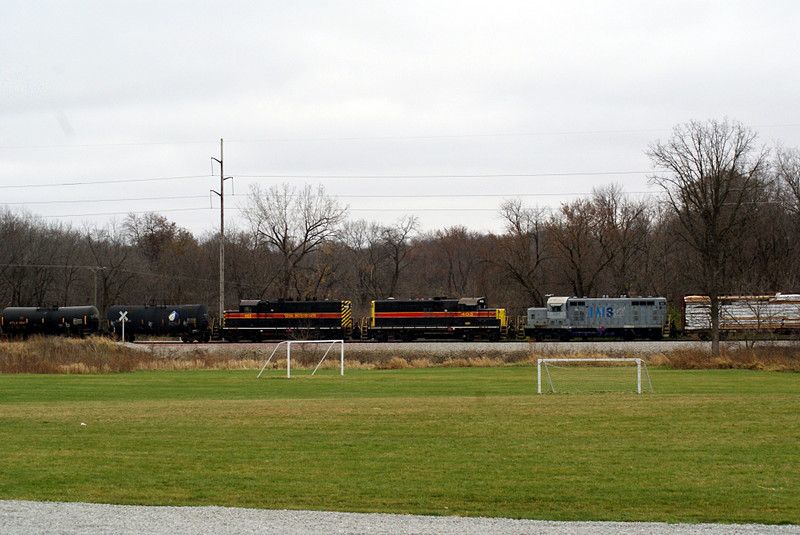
<point>27,321</point>
<point>257,320</point>
<point>467,318</point>
<point>189,322</point>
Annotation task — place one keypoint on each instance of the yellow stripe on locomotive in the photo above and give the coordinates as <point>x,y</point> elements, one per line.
<point>347,319</point>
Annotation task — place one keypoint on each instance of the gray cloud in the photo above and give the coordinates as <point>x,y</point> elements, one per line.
<point>146,89</point>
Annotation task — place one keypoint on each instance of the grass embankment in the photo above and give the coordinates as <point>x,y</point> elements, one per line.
<point>102,355</point>
<point>709,446</point>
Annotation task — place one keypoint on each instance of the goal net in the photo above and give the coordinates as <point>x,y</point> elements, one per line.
<point>289,343</point>
<point>592,375</point>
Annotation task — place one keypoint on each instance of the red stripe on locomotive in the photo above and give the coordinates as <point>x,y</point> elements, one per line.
<point>490,314</point>
<point>288,315</point>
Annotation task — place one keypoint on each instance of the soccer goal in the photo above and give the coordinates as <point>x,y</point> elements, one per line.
<point>592,375</point>
<point>303,342</point>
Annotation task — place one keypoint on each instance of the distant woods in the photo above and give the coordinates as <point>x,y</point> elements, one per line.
<point>727,221</point>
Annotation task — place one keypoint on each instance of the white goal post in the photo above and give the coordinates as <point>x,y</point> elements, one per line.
<point>592,366</point>
<point>302,342</point>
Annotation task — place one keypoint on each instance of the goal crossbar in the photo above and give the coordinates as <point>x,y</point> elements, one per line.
<point>303,342</point>
<point>640,364</point>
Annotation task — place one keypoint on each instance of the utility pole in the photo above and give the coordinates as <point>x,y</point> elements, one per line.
<point>221,193</point>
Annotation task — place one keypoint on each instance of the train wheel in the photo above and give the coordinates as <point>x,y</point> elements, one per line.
<point>628,336</point>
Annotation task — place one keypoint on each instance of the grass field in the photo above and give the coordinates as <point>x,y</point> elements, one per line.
<point>707,446</point>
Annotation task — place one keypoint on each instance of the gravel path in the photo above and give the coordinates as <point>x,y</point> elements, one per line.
<point>27,518</point>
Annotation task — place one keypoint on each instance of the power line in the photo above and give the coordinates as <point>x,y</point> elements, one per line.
<point>89,182</point>
<point>101,145</point>
<point>236,209</point>
<point>490,175</point>
<point>415,196</point>
<point>355,177</point>
<point>482,195</point>
<point>485,135</point>
<point>84,201</point>
<point>312,176</point>
<point>389,197</point>
<point>125,213</point>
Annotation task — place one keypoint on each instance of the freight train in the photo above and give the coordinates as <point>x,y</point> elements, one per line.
<point>466,318</point>
<point>744,314</point>
<point>440,318</point>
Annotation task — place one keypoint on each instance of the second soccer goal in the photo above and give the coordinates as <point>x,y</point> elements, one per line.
<point>592,375</point>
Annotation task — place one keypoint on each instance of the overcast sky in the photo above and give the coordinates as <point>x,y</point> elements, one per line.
<point>430,108</point>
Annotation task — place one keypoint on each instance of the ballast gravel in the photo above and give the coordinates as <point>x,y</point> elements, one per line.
<point>28,518</point>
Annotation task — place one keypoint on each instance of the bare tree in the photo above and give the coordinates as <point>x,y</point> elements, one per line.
<point>662,252</point>
<point>523,248</point>
<point>109,251</point>
<point>787,175</point>
<point>397,243</point>
<point>366,260</point>
<point>622,234</point>
<point>156,236</point>
<point>576,233</point>
<point>37,261</point>
<point>293,223</point>
<point>787,171</point>
<point>169,255</point>
<point>711,172</point>
<point>458,259</point>
<point>251,271</point>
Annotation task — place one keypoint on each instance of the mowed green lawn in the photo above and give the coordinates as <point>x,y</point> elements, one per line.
<point>707,446</point>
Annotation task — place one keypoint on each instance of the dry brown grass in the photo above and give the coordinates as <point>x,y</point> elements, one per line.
<point>768,358</point>
<point>101,355</point>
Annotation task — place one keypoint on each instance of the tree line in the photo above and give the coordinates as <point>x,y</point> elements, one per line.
<point>728,222</point>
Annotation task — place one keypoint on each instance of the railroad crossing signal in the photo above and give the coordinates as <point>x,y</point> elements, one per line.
<point>123,318</point>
